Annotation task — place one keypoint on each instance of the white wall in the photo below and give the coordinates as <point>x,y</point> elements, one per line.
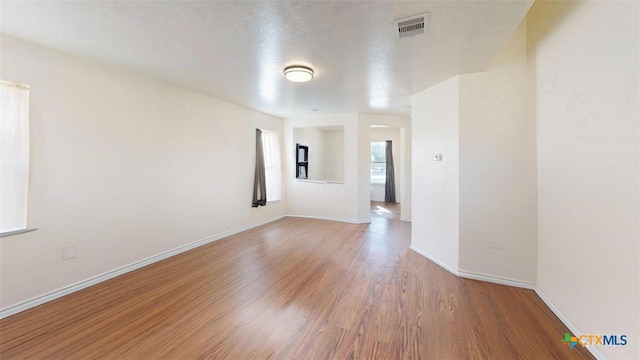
<point>405,171</point>
<point>123,168</point>
<point>570,74</point>
<point>326,152</point>
<point>434,125</point>
<point>333,160</point>
<point>384,134</point>
<point>475,211</point>
<point>363,168</point>
<point>585,58</point>
<point>498,168</point>
<point>319,199</point>
<point>314,139</point>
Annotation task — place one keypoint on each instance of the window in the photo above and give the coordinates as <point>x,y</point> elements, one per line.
<point>272,165</point>
<point>378,162</point>
<point>14,156</point>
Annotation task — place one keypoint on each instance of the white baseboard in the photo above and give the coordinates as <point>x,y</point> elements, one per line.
<point>597,354</point>
<point>496,279</point>
<point>476,276</point>
<point>350,221</point>
<point>438,262</point>
<point>41,299</point>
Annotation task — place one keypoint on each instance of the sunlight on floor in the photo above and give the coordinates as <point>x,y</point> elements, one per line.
<point>380,210</point>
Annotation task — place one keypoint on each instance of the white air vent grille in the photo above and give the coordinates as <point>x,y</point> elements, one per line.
<point>413,25</point>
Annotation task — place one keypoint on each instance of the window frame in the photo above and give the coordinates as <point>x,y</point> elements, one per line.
<point>272,165</point>
<point>372,162</point>
<point>14,157</point>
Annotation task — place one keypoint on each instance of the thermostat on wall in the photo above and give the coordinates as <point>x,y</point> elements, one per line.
<point>437,157</point>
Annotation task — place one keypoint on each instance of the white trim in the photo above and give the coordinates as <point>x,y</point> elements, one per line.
<point>438,262</point>
<point>52,295</point>
<point>322,182</point>
<point>597,354</point>
<point>16,232</point>
<point>496,279</point>
<point>477,276</point>
<point>19,85</point>
<point>350,221</point>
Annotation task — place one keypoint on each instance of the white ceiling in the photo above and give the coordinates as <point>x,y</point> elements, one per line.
<point>236,50</point>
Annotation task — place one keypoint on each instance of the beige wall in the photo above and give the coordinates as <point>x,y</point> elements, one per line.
<point>585,64</point>
<point>314,139</point>
<point>333,160</point>
<point>498,168</point>
<point>326,152</point>
<point>475,211</point>
<point>435,212</point>
<point>123,168</point>
<point>548,167</point>
<point>320,199</point>
<point>362,165</point>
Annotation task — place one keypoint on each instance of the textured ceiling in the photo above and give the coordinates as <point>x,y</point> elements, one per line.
<point>236,50</point>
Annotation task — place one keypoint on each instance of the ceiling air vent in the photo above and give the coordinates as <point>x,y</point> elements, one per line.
<point>412,25</point>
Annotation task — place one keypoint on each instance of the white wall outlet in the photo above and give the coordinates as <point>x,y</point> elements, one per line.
<point>437,157</point>
<point>69,253</point>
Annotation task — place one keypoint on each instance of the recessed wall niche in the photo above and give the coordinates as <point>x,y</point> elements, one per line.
<point>319,153</point>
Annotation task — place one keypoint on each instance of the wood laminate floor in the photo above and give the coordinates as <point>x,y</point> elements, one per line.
<point>293,289</point>
<point>385,210</point>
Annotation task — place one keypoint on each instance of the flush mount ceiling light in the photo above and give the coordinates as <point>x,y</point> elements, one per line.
<point>298,73</point>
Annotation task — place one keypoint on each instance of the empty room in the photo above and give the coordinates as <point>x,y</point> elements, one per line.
<point>320,179</point>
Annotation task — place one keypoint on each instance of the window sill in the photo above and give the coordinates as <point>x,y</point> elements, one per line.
<point>319,181</point>
<point>16,232</point>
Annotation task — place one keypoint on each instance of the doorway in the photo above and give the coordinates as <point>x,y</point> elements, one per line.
<point>397,131</point>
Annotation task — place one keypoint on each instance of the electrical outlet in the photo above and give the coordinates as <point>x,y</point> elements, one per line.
<point>69,253</point>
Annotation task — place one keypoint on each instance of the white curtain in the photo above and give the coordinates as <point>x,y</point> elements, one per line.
<point>272,165</point>
<point>14,155</point>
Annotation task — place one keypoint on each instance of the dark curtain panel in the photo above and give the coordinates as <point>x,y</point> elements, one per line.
<point>390,183</point>
<point>259,182</point>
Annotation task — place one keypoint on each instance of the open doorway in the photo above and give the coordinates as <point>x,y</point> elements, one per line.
<point>385,178</point>
<point>397,131</point>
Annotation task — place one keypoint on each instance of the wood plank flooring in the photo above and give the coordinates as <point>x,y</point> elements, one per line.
<point>293,289</point>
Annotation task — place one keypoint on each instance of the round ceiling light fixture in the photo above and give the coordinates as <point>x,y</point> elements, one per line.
<point>298,73</point>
